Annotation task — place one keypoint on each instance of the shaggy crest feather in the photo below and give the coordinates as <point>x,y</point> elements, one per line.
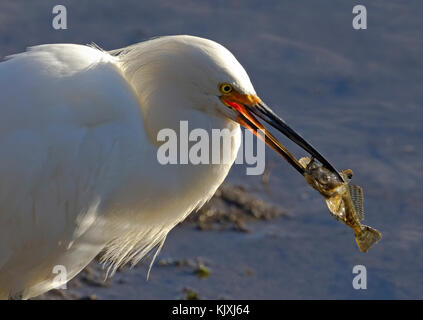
<point>137,244</point>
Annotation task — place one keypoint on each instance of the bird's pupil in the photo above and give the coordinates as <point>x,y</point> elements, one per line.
<point>227,88</point>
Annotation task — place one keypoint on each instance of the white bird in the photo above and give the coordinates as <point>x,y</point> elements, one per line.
<point>78,137</point>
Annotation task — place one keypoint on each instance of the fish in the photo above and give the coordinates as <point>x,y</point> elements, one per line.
<point>344,201</point>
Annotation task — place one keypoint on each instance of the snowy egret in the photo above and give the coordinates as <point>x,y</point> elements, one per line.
<point>78,138</point>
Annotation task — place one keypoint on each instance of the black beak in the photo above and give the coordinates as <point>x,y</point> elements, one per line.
<point>262,111</point>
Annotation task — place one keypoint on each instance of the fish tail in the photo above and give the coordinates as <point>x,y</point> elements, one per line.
<point>367,237</point>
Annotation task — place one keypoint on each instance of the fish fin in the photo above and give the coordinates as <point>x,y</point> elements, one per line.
<point>304,161</point>
<point>367,237</point>
<point>347,174</point>
<point>357,197</point>
<point>336,208</point>
<point>338,217</point>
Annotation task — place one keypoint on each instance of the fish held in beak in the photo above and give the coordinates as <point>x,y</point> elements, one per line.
<point>251,107</point>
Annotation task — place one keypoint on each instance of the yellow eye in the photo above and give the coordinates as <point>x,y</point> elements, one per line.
<point>226,88</point>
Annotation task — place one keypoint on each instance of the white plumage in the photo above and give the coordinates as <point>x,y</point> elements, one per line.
<point>79,173</point>
<point>78,167</point>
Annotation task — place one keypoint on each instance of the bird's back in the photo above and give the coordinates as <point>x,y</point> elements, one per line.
<point>65,110</point>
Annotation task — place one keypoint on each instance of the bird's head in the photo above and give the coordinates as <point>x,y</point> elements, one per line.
<point>201,74</point>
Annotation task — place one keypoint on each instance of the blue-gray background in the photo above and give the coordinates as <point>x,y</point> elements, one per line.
<point>356,95</point>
